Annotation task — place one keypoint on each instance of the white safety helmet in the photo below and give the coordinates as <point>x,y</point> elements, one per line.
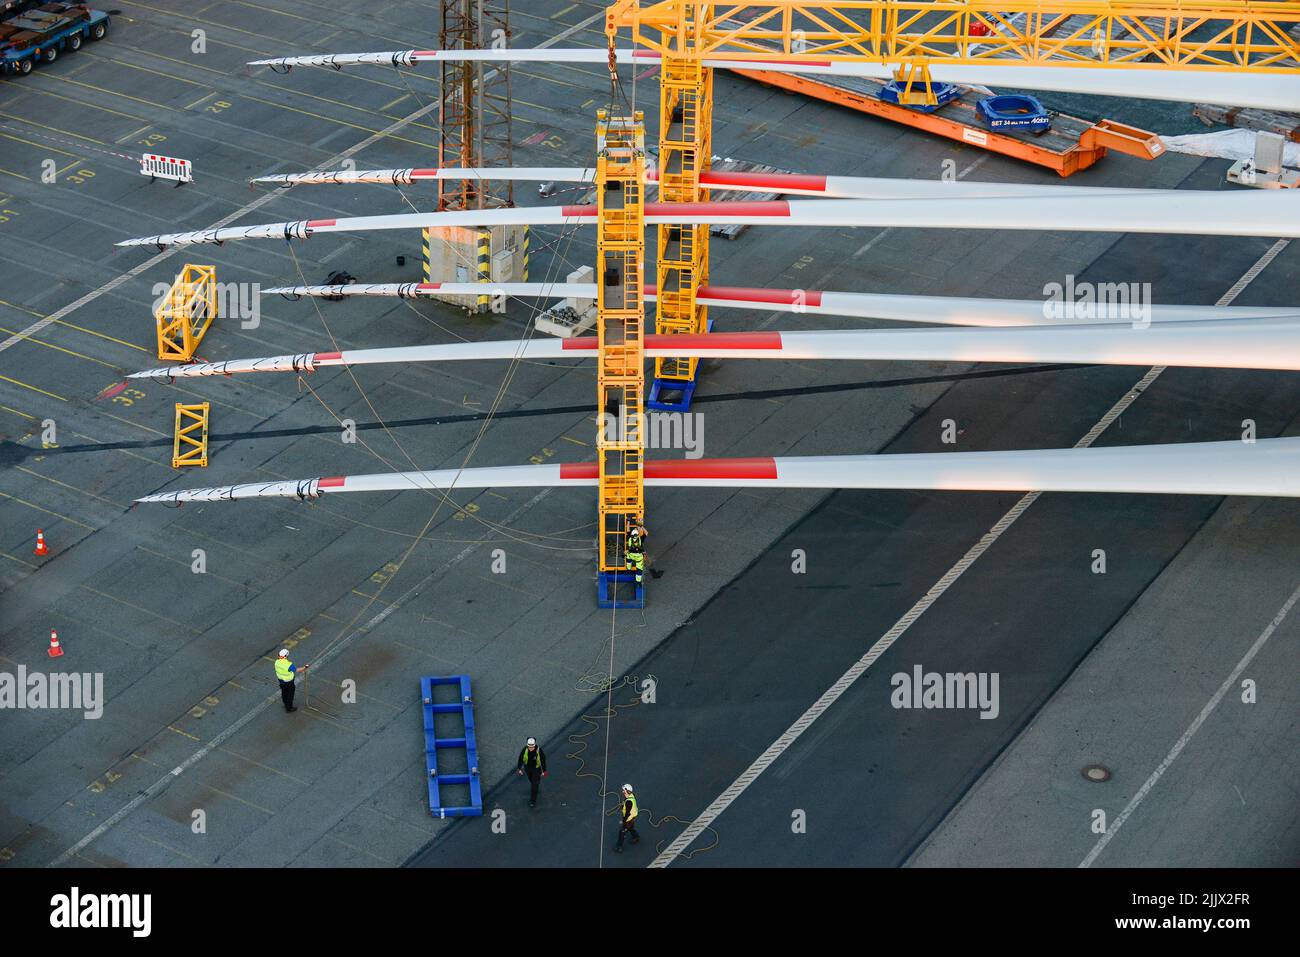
<point>627,789</point>
<point>531,742</point>
<point>284,652</point>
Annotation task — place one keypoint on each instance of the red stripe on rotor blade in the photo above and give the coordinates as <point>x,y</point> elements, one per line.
<point>579,470</point>
<point>428,173</point>
<point>715,340</point>
<point>328,356</point>
<point>577,210</point>
<point>580,344</point>
<point>748,294</point>
<point>429,285</point>
<point>772,207</point>
<point>747,60</point>
<point>333,482</point>
<point>766,181</point>
<point>317,223</point>
<point>764,468</point>
<point>650,289</point>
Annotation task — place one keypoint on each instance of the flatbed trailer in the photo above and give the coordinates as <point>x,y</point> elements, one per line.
<point>40,35</point>
<point>1072,144</point>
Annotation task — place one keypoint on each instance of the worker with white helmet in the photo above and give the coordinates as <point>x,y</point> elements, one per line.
<point>532,761</point>
<point>285,670</point>
<point>628,811</point>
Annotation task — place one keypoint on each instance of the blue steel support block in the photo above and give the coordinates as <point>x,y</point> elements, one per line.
<point>607,590</point>
<point>468,743</point>
<point>686,386</point>
<point>1015,111</point>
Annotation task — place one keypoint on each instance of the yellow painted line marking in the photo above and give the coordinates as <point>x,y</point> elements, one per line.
<point>264,767</point>
<point>71,488</point>
<point>23,501</point>
<point>129,422</point>
<point>326,119</point>
<point>50,345</point>
<point>18,412</point>
<point>557,15</point>
<point>86,103</point>
<point>9,172</point>
<point>20,561</point>
<point>39,146</point>
<point>53,129</point>
<point>33,388</point>
<point>140,608</point>
<point>184,734</point>
<point>392,103</point>
<point>236,797</point>
<point>76,162</point>
<point>120,140</point>
<point>569,438</point>
<point>179,561</point>
<point>125,96</point>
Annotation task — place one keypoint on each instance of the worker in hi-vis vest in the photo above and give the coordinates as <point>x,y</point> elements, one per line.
<point>285,670</point>
<point>628,812</point>
<point>532,761</point>
<point>635,554</point>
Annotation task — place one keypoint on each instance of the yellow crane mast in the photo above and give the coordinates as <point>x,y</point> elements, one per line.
<point>620,325</point>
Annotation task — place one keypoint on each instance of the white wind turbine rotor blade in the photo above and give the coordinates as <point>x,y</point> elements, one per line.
<point>416,290</point>
<point>1183,212</point>
<point>1235,344</point>
<point>950,310</point>
<point>1266,91</point>
<point>792,184</point>
<point>1268,467</point>
<point>404,177</point>
<point>944,310</point>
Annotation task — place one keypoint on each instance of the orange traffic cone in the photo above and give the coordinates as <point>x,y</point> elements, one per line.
<point>40,544</point>
<point>55,650</point>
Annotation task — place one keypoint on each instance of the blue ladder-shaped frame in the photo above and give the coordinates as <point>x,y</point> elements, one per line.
<point>468,743</point>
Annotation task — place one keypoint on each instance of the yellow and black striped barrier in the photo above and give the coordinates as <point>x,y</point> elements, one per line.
<point>526,236</point>
<point>428,259</point>
<point>484,266</point>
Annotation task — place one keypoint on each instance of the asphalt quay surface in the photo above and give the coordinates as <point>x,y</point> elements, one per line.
<point>186,663</point>
<point>868,782</point>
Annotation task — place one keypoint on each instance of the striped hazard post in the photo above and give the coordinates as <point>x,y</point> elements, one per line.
<point>527,235</point>
<point>426,257</point>
<point>484,267</point>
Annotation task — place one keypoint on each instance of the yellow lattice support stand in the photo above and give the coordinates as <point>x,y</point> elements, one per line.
<point>190,446</point>
<point>620,259</point>
<point>186,312</point>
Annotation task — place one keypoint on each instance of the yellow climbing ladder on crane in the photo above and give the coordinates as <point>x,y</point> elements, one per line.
<point>186,311</point>
<point>620,258</point>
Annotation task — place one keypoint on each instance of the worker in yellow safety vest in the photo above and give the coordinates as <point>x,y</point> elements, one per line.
<point>628,811</point>
<point>285,670</point>
<point>635,551</point>
<point>532,761</point>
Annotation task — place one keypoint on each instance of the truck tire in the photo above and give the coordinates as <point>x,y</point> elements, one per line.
<point>49,54</point>
<point>24,66</point>
<point>98,30</point>
<point>74,42</point>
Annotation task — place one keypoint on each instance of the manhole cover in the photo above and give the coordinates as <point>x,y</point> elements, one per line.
<point>1097,773</point>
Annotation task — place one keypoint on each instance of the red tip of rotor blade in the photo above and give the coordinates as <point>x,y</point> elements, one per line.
<point>715,340</point>
<point>766,181</point>
<point>747,294</point>
<point>772,207</point>
<point>764,468</point>
<point>335,481</point>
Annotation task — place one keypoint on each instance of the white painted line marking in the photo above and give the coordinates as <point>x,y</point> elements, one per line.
<point>1195,726</point>
<point>859,668</point>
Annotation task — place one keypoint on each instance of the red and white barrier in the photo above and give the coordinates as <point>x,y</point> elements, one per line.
<point>166,167</point>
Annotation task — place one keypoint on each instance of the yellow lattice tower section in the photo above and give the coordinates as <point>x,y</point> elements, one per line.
<point>186,311</point>
<point>1244,36</point>
<point>620,261</point>
<point>190,446</point>
<point>685,144</point>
